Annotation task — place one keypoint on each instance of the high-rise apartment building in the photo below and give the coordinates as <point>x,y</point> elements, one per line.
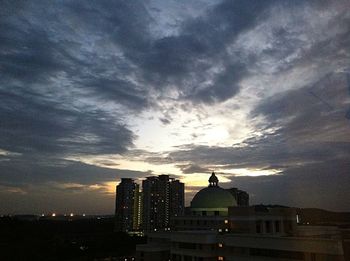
<point>128,206</point>
<point>163,198</point>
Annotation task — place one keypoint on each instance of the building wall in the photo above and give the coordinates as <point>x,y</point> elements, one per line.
<point>236,237</point>
<point>153,255</point>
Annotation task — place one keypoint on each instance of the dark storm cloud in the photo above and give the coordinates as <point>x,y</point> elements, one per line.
<point>273,153</point>
<point>39,46</point>
<point>320,185</point>
<point>34,184</point>
<point>25,171</point>
<point>30,124</point>
<point>185,60</point>
<point>316,112</point>
<point>46,69</point>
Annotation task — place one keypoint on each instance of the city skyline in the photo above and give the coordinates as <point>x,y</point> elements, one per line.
<point>257,91</point>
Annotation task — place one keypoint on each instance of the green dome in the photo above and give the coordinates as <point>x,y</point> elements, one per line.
<point>213,197</point>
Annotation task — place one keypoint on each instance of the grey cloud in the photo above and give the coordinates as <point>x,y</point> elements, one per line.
<point>320,185</point>
<point>30,124</point>
<point>27,55</point>
<point>41,48</point>
<point>192,168</point>
<point>165,121</point>
<point>268,152</point>
<point>34,184</point>
<point>315,112</point>
<point>225,85</point>
<point>56,56</point>
<point>33,171</point>
<point>306,130</point>
<point>310,146</point>
<point>186,59</point>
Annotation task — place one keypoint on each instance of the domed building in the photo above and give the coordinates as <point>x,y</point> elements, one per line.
<point>220,225</point>
<point>212,200</point>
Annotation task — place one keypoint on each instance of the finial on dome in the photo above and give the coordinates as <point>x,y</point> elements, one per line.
<point>213,180</point>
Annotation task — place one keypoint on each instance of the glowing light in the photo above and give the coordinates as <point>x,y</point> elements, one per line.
<point>53,214</point>
<point>253,172</point>
<point>201,180</point>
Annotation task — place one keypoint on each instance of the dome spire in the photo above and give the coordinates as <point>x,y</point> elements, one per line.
<point>213,180</point>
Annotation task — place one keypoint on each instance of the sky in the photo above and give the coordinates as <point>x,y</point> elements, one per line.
<point>93,91</point>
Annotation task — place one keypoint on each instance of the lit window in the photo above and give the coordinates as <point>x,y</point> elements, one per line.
<point>220,258</point>
<point>220,244</point>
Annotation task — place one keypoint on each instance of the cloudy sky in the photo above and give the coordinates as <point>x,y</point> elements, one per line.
<point>92,91</point>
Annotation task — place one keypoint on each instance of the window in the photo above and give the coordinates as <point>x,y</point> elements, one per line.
<point>313,257</point>
<point>258,227</point>
<point>268,226</point>
<point>187,258</point>
<point>184,245</point>
<point>276,253</point>
<point>277,226</point>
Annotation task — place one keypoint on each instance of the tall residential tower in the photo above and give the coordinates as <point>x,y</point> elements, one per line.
<point>128,206</point>
<point>163,198</point>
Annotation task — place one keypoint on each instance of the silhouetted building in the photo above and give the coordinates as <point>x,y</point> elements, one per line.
<point>241,197</point>
<point>128,206</point>
<point>215,228</point>
<point>163,198</point>
<point>177,198</point>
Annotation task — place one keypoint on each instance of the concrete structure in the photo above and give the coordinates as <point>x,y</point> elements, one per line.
<point>230,232</point>
<point>163,198</point>
<point>128,206</point>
